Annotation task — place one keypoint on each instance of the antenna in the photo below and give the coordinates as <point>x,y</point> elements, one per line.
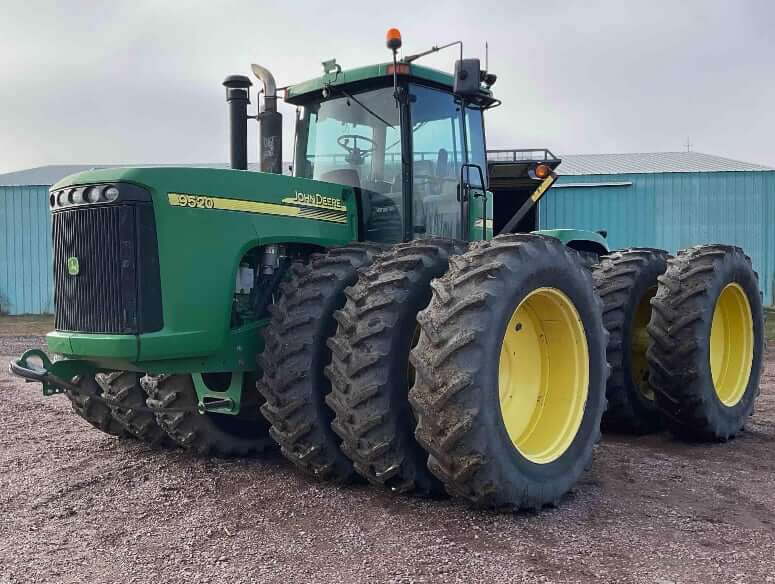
<point>486,56</point>
<point>688,144</point>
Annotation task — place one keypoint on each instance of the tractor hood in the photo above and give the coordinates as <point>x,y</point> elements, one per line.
<point>200,221</point>
<point>207,193</point>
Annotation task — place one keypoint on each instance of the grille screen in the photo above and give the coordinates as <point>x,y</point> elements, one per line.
<point>98,282</point>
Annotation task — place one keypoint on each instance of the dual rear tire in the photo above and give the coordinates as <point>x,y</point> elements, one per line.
<point>707,333</point>
<point>626,281</point>
<point>686,342</point>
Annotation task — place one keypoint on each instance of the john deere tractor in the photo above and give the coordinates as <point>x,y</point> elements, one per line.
<point>390,310</point>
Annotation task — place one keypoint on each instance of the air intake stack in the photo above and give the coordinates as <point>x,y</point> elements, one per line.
<point>238,98</point>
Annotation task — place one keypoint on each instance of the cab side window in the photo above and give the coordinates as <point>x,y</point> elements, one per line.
<point>437,158</point>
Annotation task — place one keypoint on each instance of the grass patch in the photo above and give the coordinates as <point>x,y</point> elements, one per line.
<point>17,326</point>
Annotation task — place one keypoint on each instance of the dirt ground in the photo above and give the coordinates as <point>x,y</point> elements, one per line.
<point>78,506</point>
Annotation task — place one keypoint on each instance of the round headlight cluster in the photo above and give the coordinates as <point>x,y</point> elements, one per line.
<point>82,195</point>
<point>93,194</point>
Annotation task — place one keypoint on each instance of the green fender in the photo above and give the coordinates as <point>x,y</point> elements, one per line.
<point>579,239</point>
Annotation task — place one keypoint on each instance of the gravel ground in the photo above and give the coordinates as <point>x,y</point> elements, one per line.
<point>79,506</point>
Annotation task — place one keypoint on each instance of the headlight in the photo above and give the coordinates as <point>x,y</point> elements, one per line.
<point>52,199</point>
<point>76,196</point>
<point>93,194</point>
<point>61,200</point>
<point>110,193</point>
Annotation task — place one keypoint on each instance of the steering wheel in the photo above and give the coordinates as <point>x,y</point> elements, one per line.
<point>355,155</point>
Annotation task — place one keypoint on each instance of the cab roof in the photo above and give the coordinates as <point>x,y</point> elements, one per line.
<point>301,92</point>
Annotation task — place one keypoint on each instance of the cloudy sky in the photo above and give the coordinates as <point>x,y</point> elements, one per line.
<point>139,81</point>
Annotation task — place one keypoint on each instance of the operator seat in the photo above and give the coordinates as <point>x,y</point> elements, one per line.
<point>342,176</point>
<point>442,163</point>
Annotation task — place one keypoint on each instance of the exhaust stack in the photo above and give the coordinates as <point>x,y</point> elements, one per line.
<point>270,124</point>
<point>238,98</point>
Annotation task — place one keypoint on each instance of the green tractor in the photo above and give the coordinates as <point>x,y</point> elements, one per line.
<point>390,310</point>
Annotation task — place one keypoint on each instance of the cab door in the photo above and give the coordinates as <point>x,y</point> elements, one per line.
<point>474,180</point>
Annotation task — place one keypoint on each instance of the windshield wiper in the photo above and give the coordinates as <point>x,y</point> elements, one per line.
<point>380,118</point>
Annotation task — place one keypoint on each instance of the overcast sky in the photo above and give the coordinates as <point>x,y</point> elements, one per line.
<point>140,81</point>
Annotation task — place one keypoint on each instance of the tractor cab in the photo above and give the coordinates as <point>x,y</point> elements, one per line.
<point>412,148</point>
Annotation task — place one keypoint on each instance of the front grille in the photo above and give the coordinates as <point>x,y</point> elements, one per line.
<point>106,270</point>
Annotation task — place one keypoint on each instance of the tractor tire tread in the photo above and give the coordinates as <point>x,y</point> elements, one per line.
<point>446,394</point>
<point>615,278</point>
<point>683,311</point>
<point>293,387</point>
<point>124,395</point>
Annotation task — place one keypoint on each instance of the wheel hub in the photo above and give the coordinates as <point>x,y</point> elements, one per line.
<point>543,375</point>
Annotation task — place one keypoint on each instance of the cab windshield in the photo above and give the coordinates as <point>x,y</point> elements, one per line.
<point>354,141</point>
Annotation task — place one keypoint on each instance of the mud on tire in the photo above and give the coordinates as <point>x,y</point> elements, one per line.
<point>295,355</point>
<point>456,392</point>
<point>126,399</point>
<point>690,394</point>
<point>174,400</point>
<point>91,406</point>
<point>370,373</point>
<point>625,281</point>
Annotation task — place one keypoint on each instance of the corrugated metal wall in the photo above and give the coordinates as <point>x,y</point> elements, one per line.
<point>26,279</point>
<point>674,210</point>
<point>669,211</point>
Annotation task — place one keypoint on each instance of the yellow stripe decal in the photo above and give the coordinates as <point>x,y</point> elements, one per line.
<point>543,187</point>
<point>256,207</point>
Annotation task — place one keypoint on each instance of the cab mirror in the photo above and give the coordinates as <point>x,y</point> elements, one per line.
<point>467,77</point>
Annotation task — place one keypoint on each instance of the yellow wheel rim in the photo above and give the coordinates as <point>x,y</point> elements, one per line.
<point>639,344</point>
<point>543,375</point>
<point>731,345</point>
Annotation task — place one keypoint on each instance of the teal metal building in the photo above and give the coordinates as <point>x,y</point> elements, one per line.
<point>26,278</point>
<point>669,200</point>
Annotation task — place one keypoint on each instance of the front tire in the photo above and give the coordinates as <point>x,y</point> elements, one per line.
<point>295,355</point>
<point>370,373</point>
<point>126,399</point>
<point>511,373</point>
<point>89,404</point>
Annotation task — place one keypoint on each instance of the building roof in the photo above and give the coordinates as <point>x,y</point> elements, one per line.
<point>651,162</point>
<point>572,165</point>
<point>53,173</point>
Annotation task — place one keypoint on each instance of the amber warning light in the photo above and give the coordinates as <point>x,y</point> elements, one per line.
<point>542,171</point>
<point>393,39</point>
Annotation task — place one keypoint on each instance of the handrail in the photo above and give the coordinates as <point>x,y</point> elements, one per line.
<point>520,155</point>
